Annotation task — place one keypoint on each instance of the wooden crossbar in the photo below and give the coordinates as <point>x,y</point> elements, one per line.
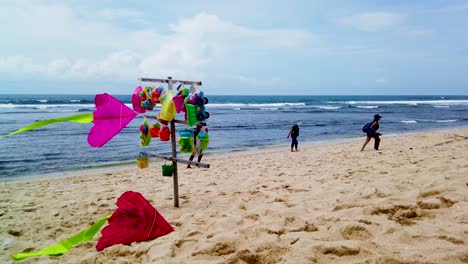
<point>188,162</point>
<point>169,80</point>
<point>175,120</point>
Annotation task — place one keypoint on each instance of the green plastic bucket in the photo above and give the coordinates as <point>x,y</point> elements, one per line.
<point>167,170</point>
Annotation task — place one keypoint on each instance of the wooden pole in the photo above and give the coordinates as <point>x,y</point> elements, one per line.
<point>174,163</point>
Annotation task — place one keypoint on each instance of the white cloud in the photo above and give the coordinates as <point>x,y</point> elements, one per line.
<point>373,21</point>
<point>212,27</point>
<point>18,65</point>
<point>118,65</point>
<point>68,45</point>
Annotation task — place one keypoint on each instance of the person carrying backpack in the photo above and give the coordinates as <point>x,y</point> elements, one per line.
<point>371,130</point>
<point>294,133</point>
<point>198,149</point>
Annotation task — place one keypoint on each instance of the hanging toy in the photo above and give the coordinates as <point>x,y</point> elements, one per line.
<point>137,100</point>
<point>145,96</point>
<point>201,101</point>
<point>146,93</point>
<point>144,134</point>
<point>154,130</point>
<point>186,140</point>
<point>203,140</point>
<point>195,108</point>
<point>147,104</point>
<point>179,99</point>
<point>168,110</point>
<point>156,94</point>
<point>164,133</point>
<point>142,161</point>
<point>191,112</point>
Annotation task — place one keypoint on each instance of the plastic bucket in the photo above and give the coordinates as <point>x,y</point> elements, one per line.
<point>164,134</point>
<point>142,162</point>
<point>203,139</point>
<point>167,170</point>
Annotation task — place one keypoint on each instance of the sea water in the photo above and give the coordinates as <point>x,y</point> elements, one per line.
<point>236,122</point>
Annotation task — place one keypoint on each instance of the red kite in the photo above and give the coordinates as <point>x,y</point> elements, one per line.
<point>135,220</point>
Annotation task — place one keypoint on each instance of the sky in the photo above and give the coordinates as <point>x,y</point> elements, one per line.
<point>241,47</point>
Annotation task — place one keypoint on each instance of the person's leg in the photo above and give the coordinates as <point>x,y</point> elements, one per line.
<point>365,142</point>
<point>292,143</point>
<point>295,143</point>
<point>200,155</point>
<point>191,159</point>
<point>376,142</point>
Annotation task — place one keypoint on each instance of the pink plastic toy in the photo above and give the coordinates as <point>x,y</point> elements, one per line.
<point>137,100</point>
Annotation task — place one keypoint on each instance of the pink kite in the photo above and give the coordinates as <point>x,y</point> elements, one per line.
<point>110,117</point>
<point>135,220</point>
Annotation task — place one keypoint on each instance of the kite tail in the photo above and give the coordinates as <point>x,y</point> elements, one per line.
<point>80,118</point>
<point>64,246</point>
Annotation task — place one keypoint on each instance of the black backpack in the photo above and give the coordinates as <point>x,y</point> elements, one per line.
<point>296,130</point>
<point>366,127</point>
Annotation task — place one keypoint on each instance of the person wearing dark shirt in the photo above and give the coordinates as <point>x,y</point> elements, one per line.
<point>372,133</point>
<point>294,133</point>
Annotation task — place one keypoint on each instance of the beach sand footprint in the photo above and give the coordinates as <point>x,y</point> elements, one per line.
<point>264,253</point>
<point>356,232</point>
<point>339,249</point>
<point>401,213</point>
<point>219,248</point>
<point>181,245</point>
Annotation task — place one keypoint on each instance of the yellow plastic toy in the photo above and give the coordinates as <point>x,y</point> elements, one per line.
<point>168,110</point>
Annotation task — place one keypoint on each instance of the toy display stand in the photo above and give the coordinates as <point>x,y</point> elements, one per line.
<point>174,158</point>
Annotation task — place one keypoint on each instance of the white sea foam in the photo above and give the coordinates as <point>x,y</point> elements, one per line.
<point>409,121</point>
<point>46,106</point>
<point>367,106</point>
<point>237,105</point>
<point>446,121</point>
<point>437,120</point>
<point>413,102</point>
<point>442,106</point>
<point>269,108</point>
<point>75,101</point>
<point>326,107</point>
<point>43,100</point>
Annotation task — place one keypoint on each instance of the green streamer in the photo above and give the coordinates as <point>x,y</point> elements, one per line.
<point>81,118</point>
<point>64,246</point>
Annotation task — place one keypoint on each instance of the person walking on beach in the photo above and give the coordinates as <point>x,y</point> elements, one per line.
<point>197,150</point>
<point>371,130</point>
<point>294,133</point>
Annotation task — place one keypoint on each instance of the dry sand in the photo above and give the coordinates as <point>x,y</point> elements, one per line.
<point>329,203</point>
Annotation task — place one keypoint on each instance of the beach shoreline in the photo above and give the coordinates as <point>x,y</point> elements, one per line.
<point>109,168</point>
<point>327,203</point>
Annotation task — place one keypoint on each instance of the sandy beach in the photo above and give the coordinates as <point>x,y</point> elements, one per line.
<point>328,203</point>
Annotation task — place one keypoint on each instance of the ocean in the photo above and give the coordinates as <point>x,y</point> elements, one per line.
<point>236,123</point>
